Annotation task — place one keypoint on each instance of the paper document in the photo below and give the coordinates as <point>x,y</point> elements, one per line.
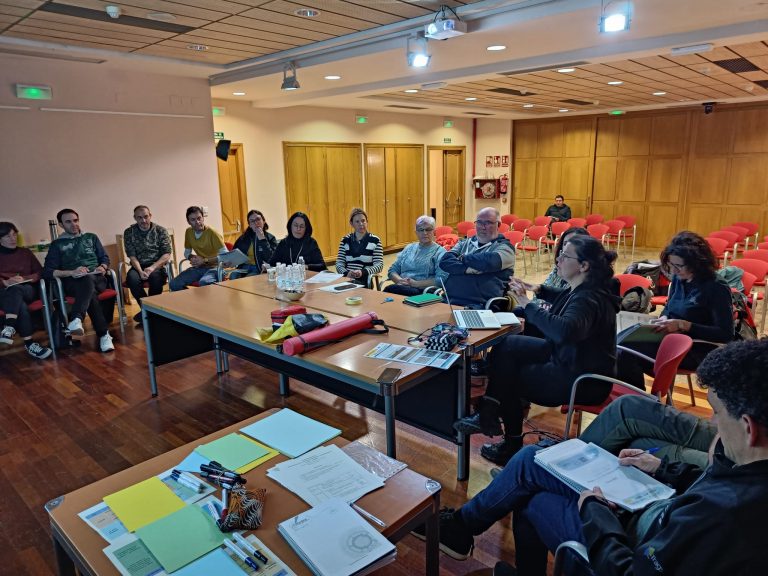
<point>333,540</point>
<point>143,503</point>
<point>341,287</point>
<point>233,258</point>
<point>232,451</point>
<point>583,466</point>
<point>131,557</point>
<point>507,319</point>
<point>183,491</point>
<point>325,473</point>
<point>273,567</point>
<point>626,319</point>
<point>413,355</point>
<point>323,277</point>
<point>101,518</point>
<point>290,433</point>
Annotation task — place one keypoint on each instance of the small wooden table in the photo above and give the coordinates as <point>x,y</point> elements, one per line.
<point>406,501</point>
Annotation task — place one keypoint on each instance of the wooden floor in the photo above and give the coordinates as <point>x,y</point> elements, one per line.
<point>65,423</point>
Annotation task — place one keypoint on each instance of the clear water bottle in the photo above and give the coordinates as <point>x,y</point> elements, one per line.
<point>301,263</point>
<point>280,276</point>
<point>299,278</point>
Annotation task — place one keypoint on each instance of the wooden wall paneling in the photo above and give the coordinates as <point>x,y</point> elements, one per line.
<point>756,214</point>
<point>607,209</point>
<point>713,133</point>
<point>751,130</point>
<point>344,186</point>
<point>635,136</point>
<point>296,189</point>
<point>376,191</point>
<point>661,224</point>
<point>636,209</point>
<point>410,190</point>
<point>747,183</point>
<point>578,139</point>
<point>525,208</point>
<point>578,208</point>
<point>604,185</point>
<point>524,179</point>
<point>390,177</point>
<point>525,140</point>
<point>669,134</point>
<point>631,179</point>
<point>704,219</point>
<point>665,179</point>
<point>575,181</point>
<point>548,178</point>
<point>607,140</point>
<point>317,208</point>
<point>551,140</point>
<point>708,180</point>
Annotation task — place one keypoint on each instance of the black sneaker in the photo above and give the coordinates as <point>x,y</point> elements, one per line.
<point>485,420</point>
<point>501,452</point>
<point>137,317</point>
<point>36,351</point>
<point>455,539</point>
<point>478,367</point>
<point>504,569</point>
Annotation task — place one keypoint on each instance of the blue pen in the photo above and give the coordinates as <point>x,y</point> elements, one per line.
<point>241,554</point>
<point>652,450</point>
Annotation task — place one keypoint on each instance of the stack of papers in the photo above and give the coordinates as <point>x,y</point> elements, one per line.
<point>323,277</point>
<point>233,451</point>
<point>143,503</point>
<point>583,466</point>
<point>290,433</point>
<point>323,474</point>
<point>333,540</point>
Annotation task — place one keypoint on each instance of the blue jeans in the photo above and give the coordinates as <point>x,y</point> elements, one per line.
<point>204,276</point>
<point>545,510</point>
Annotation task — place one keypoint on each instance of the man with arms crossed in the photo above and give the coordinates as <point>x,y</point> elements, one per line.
<point>148,247</point>
<point>201,245</point>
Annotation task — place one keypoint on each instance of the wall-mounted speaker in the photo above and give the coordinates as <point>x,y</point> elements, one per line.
<point>222,149</point>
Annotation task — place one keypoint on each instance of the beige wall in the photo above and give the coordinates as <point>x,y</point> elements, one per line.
<point>493,139</point>
<point>104,164</point>
<point>262,133</point>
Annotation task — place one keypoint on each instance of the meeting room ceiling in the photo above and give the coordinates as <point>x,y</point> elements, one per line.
<point>243,46</point>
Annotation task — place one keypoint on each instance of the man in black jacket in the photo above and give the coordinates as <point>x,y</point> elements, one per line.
<point>714,525</point>
<point>560,211</point>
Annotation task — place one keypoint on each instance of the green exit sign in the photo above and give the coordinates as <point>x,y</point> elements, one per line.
<point>33,92</point>
<point>361,119</point>
<point>447,123</point>
<point>218,135</point>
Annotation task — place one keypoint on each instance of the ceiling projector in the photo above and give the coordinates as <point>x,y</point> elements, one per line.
<point>445,28</point>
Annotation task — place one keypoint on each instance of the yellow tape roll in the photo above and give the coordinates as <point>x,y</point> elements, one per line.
<point>354,300</point>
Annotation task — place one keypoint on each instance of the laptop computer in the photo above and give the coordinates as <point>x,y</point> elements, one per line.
<point>472,319</point>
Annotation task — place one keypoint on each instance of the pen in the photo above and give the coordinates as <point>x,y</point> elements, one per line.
<point>219,472</point>
<point>250,548</point>
<point>651,450</point>
<point>368,515</point>
<point>240,554</point>
<point>184,481</point>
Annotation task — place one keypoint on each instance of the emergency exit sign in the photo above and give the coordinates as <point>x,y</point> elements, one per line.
<point>218,135</point>
<point>446,140</point>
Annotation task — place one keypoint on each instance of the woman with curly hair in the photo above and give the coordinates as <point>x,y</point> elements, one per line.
<point>699,304</point>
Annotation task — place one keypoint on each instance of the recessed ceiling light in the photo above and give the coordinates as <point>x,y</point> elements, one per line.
<point>566,70</point>
<point>470,99</point>
<point>333,77</point>
<point>615,83</point>
<point>411,91</point>
<point>659,93</point>
<point>496,48</point>
<point>307,12</point>
<point>528,105</point>
<point>197,47</point>
<point>564,110</point>
<point>238,93</point>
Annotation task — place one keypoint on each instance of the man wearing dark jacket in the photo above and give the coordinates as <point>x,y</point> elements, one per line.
<point>713,526</point>
<point>560,211</point>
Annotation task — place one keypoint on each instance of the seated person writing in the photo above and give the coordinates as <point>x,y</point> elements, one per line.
<point>573,336</point>
<point>202,245</point>
<point>299,243</point>
<point>415,267</point>
<point>559,211</point>
<point>360,253</point>
<point>477,269</point>
<point>256,243</point>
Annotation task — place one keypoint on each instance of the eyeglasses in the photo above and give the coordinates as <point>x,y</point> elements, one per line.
<point>422,230</point>
<point>564,255</point>
<point>485,223</point>
<point>676,267</point>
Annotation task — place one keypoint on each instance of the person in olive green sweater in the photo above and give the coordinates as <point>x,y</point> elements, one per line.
<point>201,245</point>
<point>79,259</point>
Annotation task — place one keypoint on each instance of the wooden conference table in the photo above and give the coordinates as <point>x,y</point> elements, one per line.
<point>224,318</point>
<point>407,500</point>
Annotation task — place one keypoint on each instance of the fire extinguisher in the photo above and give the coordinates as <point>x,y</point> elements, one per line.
<point>504,184</point>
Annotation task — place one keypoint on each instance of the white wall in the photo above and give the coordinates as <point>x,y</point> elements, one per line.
<point>102,164</point>
<point>494,138</point>
<point>262,133</point>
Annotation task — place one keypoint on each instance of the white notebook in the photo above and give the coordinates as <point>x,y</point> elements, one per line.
<point>290,433</point>
<point>334,540</point>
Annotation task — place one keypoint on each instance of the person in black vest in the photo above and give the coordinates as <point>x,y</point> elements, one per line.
<point>299,244</point>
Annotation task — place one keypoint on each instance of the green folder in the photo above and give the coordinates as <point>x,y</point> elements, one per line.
<point>422,300</point>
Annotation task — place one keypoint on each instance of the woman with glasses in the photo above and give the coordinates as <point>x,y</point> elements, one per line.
<point>698,304</point>
<point>299,244</point>
<point>256,243</point>
<point>574,335</point>
<point>360,252</point>
<point>415,267</point>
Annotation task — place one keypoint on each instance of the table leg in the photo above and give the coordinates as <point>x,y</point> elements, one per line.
<point>150,357</point>
<point>285,385</point>
<point>432,534</point>
<point>225,361</point>
<point>65,566</point>
<point>462,404</point>
<point>389,419</point>
<point>217,354</point>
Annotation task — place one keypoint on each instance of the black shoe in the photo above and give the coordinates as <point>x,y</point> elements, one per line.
<point>501,452</point>
<point>137,317</point>
<point>455,538</point>
<point>485,420</point>
<point>504,569</point>
<point>478,367</point>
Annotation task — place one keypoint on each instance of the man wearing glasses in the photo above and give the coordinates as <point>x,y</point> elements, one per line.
<point>479,268</point>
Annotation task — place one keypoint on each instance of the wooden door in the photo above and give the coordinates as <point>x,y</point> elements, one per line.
<point>376,192</point>
<point>234,198</point>
<point>453,187</point>
<point>408,193</point>
<point>344,190</point>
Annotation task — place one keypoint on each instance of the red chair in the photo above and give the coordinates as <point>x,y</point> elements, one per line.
<point>463,226</point>
<point>741,235</point>
<point>509,218</point>
<point>752,228</point>
<point>108,294</point>
<point>440,230</point>
<point>516,238</point>
<point>555,231</point>
<point>471,232</point>
<point>577,222</point>
<point>42,305</point>
<point>759,254</point>
<point>629,222</point>
<point>671,352</point>
<point>615,232</point>
<point>661,300</point>
<point>762,245</point>
<point>628,281</point>
<point>521,224</point>
<point>594,219</point>
<point>759,269</point>
<point>503,228</point>
<point>720,248</point>
<point>732,237</point>
<point>599,232</point>
<point>534,237</point>
<point>448,241</point>
<point>542,220</point>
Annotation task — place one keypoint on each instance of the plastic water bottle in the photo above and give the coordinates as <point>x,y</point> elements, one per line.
<point>299,278</point>
<point>301,263</point>
<point>280,276</point>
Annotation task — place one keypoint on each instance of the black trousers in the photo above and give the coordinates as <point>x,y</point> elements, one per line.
<point>521,368</point>
<point>404,290</point>
<point>155,282</point>
<point>85,291</point>
<point>14,300</point>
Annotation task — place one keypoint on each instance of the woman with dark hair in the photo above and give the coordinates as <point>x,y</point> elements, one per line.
<point>573,335</point>
<point>256,243</point>
<point>299,244</point>
<point>360,252</point>
<point>553,279</point>
<point>19,275</point>
<point>698,304</point>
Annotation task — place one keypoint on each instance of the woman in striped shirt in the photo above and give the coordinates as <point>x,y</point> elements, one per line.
<point>360,252</point>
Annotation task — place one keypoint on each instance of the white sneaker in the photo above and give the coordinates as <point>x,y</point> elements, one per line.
<point>76,327</point>
<point>37,351</point>
<point>6,336</point>
<point>105,343</point>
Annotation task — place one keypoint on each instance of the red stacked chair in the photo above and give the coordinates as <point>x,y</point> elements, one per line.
<point>542,220</point>
<point>448,241</point>
<point>578,222</point>
<point>509,218</point>
<point>503,228</point>
<point>630,230</point>
<point>521,224</point>
<point>615,232</point>
<point>440,230</point>
<point>463,226</point>
<point>720,248</point>
<point>598,231</point>
<point>594,219</point>
<point>741,236</point>
<point>752,228</point>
